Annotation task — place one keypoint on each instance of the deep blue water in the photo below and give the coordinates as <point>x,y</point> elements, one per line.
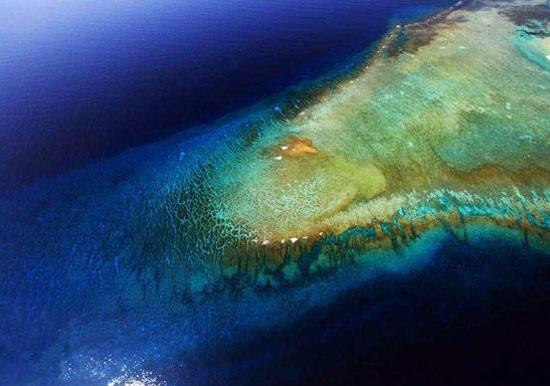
<point>84,80</point>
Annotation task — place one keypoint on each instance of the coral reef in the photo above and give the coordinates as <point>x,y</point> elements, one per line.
<point>442,134</point>
<point>461,115</point>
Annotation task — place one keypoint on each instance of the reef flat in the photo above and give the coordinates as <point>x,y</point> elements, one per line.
<point>449,121</point>
<point>167,257</point>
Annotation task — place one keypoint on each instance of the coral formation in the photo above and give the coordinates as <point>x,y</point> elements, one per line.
<point>442,134</point>
<point>459,112</point>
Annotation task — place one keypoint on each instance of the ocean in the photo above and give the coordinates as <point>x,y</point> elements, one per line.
<point>255,193</point>
<point>83,81</point>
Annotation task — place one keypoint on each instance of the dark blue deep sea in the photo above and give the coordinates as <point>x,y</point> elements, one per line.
<point>83,84</point>
<point>84,80</point>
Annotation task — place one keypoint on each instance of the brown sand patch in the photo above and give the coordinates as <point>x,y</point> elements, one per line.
<point>299,147</point>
